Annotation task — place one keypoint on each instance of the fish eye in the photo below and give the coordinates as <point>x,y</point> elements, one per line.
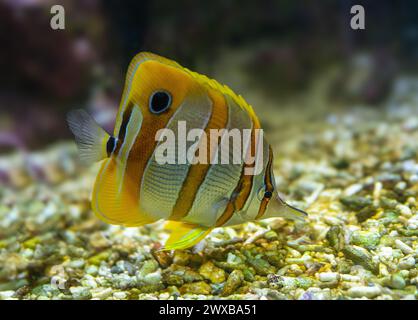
<point>263,193</point>
<point>159,101</point>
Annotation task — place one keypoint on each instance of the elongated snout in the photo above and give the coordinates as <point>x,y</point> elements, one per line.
<point>278,208</point>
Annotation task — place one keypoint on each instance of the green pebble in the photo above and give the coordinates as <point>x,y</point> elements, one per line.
<point>229,266</point>
<point>397,281</point>
<point>304,282</point>
<point>212,273</point>
<point>248,275</point>
<point>234,280</point>
<point>335,237</point>
<point>261,266</point>
<point>200,287</point>
<point>80,293</point>
<point>149,266</point>
<point>365,213</point>
<point>360,256</point>
<point>387,203</point>
<point>98,258</point>
<point>274,258</point>
<point>409,232</point>
<point>387,241</point>
<point>13,285</point>
<point>356,202</point>
<point>150,288</point>
<point>173,279</point>
<point>271,235</point>
<point>368,240</point>
<point>388,218</point>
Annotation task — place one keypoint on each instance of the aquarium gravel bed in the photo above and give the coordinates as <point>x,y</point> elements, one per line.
<point>356,174</point>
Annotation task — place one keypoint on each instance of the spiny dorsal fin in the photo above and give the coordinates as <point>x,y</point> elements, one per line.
<point>224,89</point>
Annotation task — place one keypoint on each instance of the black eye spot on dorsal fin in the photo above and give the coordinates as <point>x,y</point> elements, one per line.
<point>159,101</point>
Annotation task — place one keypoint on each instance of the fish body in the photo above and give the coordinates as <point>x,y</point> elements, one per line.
<point>132,188</point>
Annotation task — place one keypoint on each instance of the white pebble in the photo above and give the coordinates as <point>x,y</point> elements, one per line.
<point>331,259</point>
<point>102,293</point>
<point>378,186</point>
<point>407,262</point>
<point>119,295</point>
<point>89,281</point>
<point>256,236</point>
<point>401,185</point>
<point>368,292</point>
<point>386,252</point>
<point>333,221</point>
<point>403,246</point>
<point>328,276</point>
<point>404,210</point>
<point>353,189</point>
<point>6,295</point>
<point>76,263</point>
<point>411,201</point>
<point>413,222</point>
<point>164,296</point>
<point>383,269</point>
<point>350,278</point>
<point>412,225</point>
<point>394,233</point>
<point>200,246</point>
<point>92,269</point>
<point>79,292</point>
<point>413,178</point>
<point>153,278</point>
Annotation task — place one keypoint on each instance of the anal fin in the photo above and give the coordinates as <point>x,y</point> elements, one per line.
<point>184,235</point>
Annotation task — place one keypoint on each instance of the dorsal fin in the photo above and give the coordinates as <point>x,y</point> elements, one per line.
<point>224,89</point>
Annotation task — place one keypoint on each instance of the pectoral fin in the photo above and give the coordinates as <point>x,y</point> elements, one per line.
<point>91,139</point>
<point>184,235</point>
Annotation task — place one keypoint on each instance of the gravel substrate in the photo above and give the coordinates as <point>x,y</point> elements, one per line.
<point>355,172</point>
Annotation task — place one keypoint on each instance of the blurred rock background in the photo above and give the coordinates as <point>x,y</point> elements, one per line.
<point>272,52</point>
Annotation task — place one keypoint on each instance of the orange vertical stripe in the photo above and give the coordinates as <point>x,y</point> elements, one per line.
<point>197,172</point>
<point>243,189</point>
